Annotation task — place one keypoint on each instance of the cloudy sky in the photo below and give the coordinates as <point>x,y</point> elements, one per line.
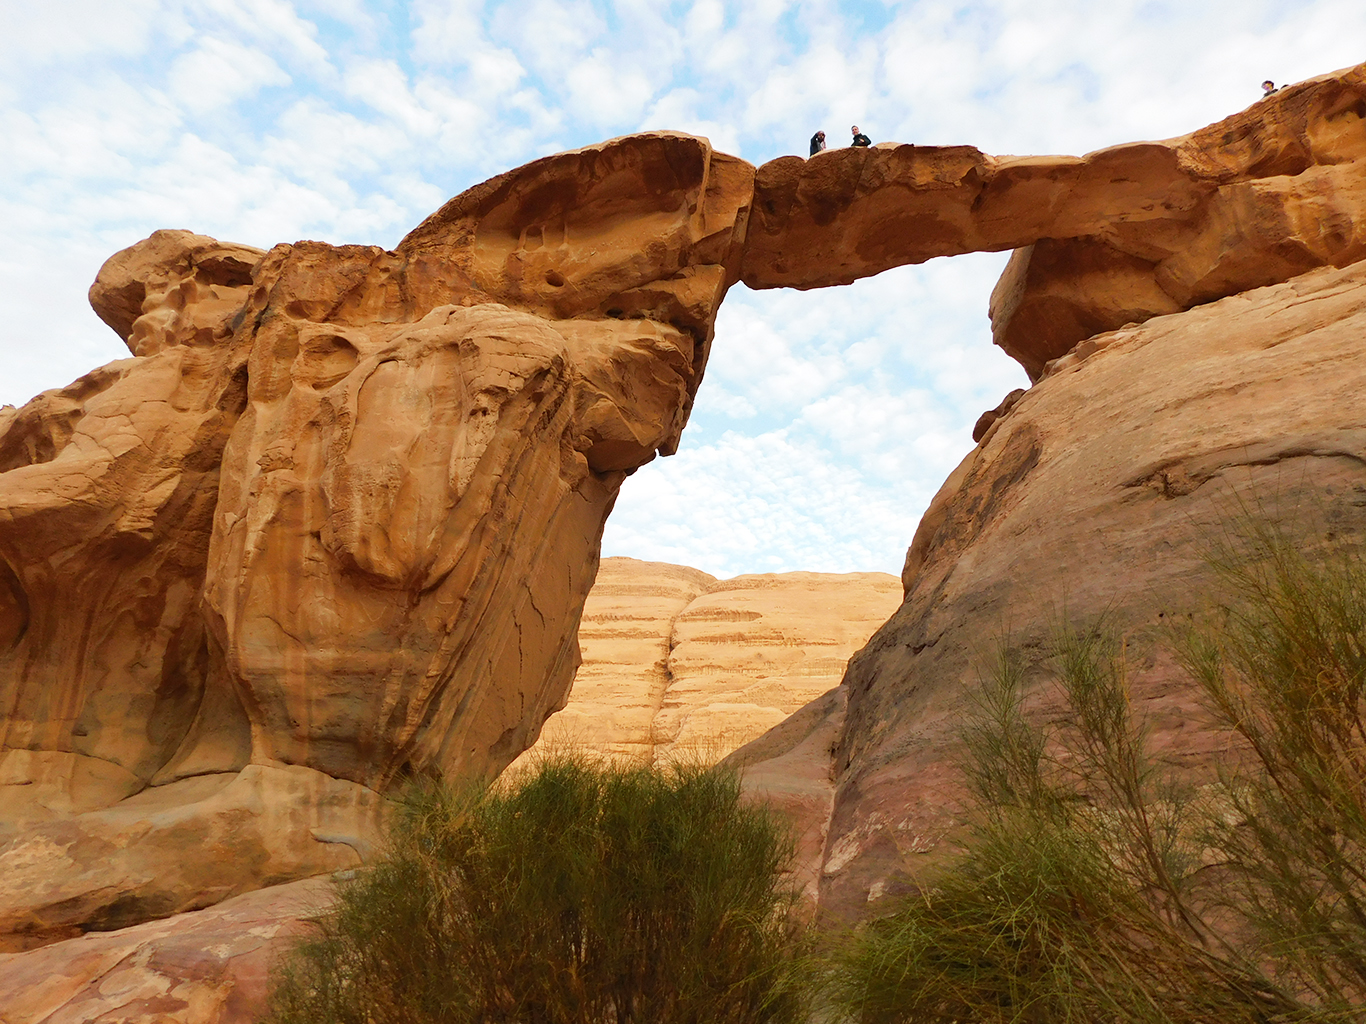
<point>828,419</point>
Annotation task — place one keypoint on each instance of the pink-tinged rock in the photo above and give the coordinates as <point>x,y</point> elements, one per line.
<point>207,967</point>
<point>790,769</point>
<point>1102,489</point>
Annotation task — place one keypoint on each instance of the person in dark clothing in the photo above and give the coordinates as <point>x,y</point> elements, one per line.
<point>1268,87</point>
<point>817,143</point>
<point>859,138</point>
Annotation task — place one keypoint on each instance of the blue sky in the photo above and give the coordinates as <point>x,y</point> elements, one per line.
<point>828,418</point>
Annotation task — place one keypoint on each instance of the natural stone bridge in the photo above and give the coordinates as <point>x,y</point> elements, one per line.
<point>334,521</point>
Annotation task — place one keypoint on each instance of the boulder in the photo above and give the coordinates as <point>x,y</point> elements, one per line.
<point>179,847</point>
<point>206,967</point>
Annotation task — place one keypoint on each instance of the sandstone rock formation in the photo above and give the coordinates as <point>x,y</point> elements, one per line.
<point>1115,237</point>
<point>335,520</point>
<point>1101,489</point>
<point>757,648</point>
<point>333,523</point>
<point>769,638</point>
<point>678,663</point>
<point>625,639</point>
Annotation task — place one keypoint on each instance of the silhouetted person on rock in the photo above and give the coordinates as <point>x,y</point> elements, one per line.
<point>817,143</point>
<point>860,139</point>
<point>1268,87</point>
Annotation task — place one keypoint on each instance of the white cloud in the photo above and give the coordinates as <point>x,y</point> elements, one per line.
<point>351,12</point>
<point>607,87</point>
<point>65,30</point>
<point>771,367</point>
<point>678,110</point>
<point>51,336</point>
<point>277,25</point>
<point>90,131</point>
<point>549,35</point>
<point>383,86</point>
<point>765,503</point>
<point>221,71</point>
<point>319,143</point>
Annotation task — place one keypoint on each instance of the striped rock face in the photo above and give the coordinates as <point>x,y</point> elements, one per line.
<point>677,663</point>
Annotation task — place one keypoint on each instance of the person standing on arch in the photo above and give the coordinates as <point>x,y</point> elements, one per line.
<point>817,143</point>
<point>860,140</point>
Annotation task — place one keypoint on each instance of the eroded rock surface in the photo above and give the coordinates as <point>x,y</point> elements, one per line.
<point>207,967</point>
<point>679,664</point>
<point>178,847</point>
<point>333,523</point>
<point>625,637</point>
<point>1101,489</point>
<point>336,518</point>
<point>758,647</point>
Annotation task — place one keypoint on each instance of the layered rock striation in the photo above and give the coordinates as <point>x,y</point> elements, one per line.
<point>679,664</point>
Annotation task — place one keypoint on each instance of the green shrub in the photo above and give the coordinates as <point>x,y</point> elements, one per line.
<point>1286,670</point>
<point>587,894</point>
<point>1094,887</point>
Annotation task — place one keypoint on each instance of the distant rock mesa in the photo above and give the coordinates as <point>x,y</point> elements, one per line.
<point>677,663</point>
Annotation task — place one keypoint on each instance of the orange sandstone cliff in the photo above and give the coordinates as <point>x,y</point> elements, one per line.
<point>333,523</point>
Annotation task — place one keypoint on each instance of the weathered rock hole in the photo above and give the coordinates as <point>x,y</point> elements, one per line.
<point>329,359</point>
<point>225,271</point>
<point>554,278</point>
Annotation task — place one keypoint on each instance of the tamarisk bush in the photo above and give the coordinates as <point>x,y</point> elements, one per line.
<point>1094,887</point>
<point>584,894</point>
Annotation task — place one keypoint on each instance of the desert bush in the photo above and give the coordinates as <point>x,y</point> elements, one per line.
<point>1286,669</point>
<point>1094,886</point>
<point>585,894</point>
